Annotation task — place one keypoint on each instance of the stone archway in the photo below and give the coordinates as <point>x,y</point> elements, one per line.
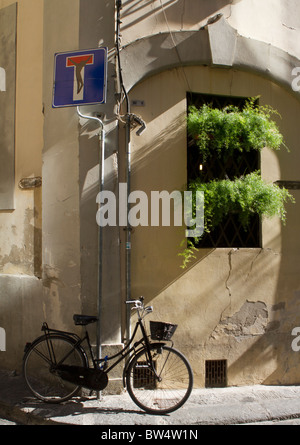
<point>217,45</point>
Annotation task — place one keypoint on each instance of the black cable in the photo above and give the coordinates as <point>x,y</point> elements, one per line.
<point>119,7</point>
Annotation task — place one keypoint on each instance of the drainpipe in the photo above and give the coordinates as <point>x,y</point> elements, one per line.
<point>128,229</point>
<point>139,121</point>
<point>128,171</point>
<point>100,236</point>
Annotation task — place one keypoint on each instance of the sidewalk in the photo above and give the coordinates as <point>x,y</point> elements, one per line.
<point>216,406</point>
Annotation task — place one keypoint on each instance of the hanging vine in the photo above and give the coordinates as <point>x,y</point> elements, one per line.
<point>226,133</point>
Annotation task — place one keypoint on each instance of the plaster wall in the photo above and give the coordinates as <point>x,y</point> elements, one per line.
<point>20,238</point>
<point>71,158</point>
<point>48,264</point>
<point>232,304</point>
<point>97,28</point>
<point>54,259</point>
<point>276,23</point>
<point>61,241</point>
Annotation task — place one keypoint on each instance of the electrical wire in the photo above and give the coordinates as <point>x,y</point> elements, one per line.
<point>175,46</point>
<point>128,117</point>
<point>118,39</point>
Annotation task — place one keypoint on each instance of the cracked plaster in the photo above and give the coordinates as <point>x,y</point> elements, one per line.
<point>251,320</point>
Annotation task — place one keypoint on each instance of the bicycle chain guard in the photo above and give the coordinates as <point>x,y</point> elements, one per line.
<point>94,379</point>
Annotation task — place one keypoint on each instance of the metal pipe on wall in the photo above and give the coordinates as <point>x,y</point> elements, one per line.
<point>129,117</point>
<point>128,171</point>
<point>100,232</point>
<point>128,229</point>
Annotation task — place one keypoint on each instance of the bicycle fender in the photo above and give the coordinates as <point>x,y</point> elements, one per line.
<point>31,343</point>
<point>158,345</point>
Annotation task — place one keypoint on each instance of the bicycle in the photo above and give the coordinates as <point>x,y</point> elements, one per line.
<point>158,377</point>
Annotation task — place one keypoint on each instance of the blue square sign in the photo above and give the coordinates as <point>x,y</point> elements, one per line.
<point>80,78</point>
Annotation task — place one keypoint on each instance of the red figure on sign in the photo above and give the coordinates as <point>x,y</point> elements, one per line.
<point>79,62</point>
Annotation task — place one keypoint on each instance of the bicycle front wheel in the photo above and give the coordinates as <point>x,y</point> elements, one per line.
<point>164,389</point>
<point>39,368</point>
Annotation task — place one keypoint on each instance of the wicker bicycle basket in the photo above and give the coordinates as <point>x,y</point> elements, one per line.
<point>162,331</point>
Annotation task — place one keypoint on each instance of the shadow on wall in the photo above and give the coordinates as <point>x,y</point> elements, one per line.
<point>178,12</point>
<point>272,350</point>
<point>89,189</point>
<point>273,347</point>
<point>260,288</point>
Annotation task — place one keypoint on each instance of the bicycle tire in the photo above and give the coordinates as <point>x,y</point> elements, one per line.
<point>174,387</point>
<point>38,368</point>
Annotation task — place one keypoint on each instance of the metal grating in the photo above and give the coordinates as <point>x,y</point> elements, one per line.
<point>143,377</point>
<point>215,373</point>
<point>229,233</point>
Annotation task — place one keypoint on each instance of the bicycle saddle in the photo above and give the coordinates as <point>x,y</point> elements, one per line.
<point>83,320</point>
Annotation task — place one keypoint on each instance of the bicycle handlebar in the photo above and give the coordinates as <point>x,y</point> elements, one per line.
<point>134,302</point>
<point>139,305</point>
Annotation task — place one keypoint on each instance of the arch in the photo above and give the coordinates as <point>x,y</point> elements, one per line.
<point>217,45</point>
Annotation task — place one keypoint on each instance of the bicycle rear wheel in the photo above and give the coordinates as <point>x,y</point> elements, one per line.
<point>39,369</point>
<point>164,390</point>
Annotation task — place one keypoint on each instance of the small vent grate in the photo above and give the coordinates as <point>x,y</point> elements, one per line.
<point>143,377</point>
<point>215,373</point>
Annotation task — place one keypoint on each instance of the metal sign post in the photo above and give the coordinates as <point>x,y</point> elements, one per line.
<point>80,79</point>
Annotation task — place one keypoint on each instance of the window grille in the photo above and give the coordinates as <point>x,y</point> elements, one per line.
<point>229,233</point>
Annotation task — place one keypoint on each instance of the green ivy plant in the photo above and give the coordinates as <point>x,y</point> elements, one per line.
<point>223,132</point>
<point>246,196</point>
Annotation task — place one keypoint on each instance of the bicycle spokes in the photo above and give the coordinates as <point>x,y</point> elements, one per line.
<point>162,386</point>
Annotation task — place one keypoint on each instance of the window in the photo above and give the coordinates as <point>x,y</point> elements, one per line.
<point>230,232</point>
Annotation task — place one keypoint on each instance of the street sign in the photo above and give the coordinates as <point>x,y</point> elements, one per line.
<point>80,78</point>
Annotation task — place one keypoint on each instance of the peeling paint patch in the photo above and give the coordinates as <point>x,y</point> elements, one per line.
<point>251,320</point>
<point>18,260</point>
<point>24,256</point>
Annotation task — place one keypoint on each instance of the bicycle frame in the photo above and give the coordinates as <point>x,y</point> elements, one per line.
<point>158,378</point>
<point>125,352</point>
